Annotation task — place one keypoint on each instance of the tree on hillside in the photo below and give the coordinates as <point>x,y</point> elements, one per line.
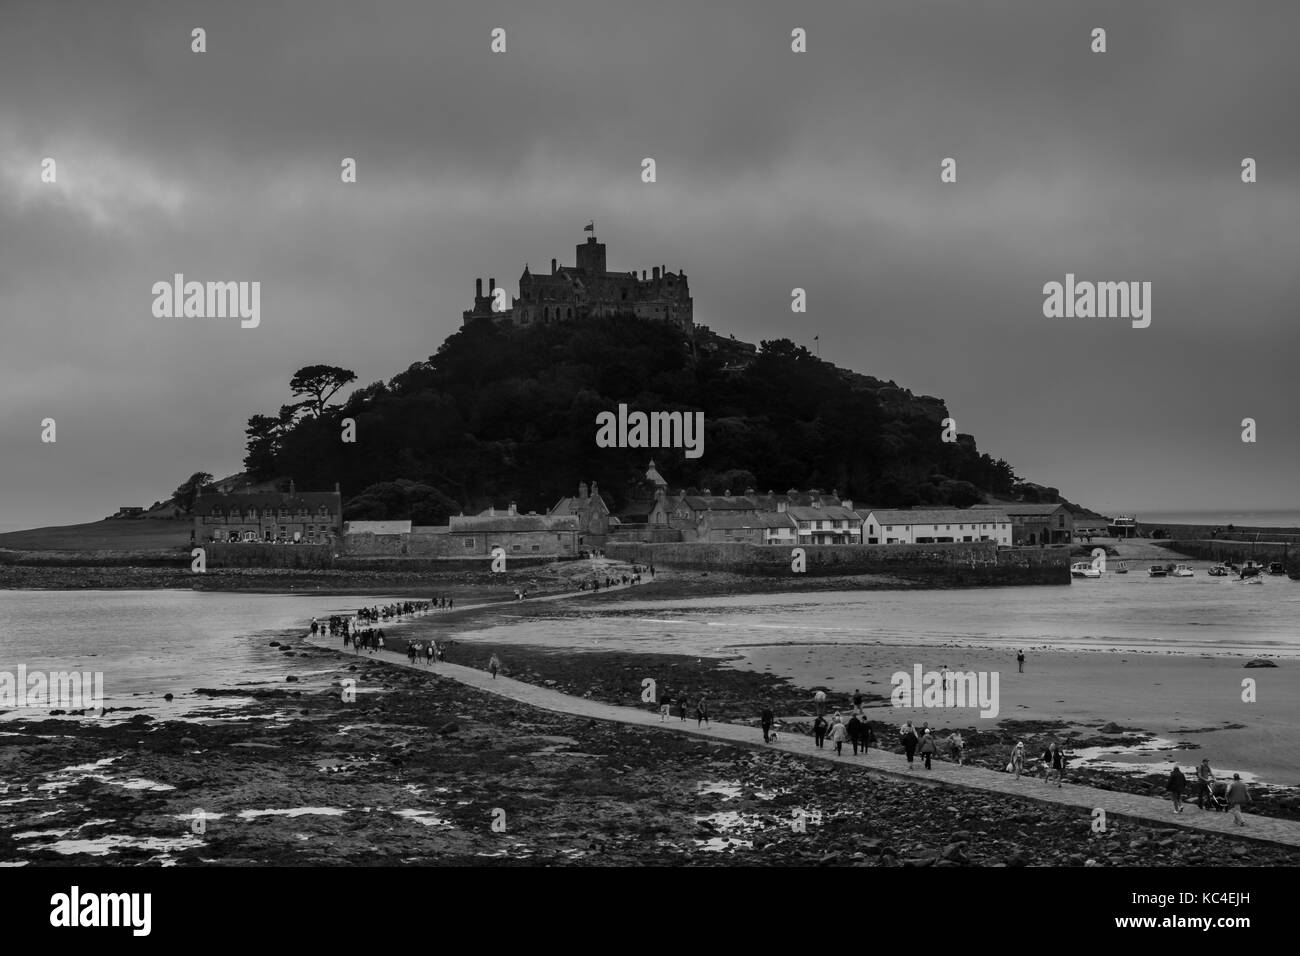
<point>319,383</point>
<point>189,490</point>
<point>263,433</point>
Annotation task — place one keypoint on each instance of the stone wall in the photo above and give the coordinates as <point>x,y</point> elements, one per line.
<point>953,564</point>
<point>254,555</point>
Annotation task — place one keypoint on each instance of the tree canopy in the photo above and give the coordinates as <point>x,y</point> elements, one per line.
<point>508,414</point>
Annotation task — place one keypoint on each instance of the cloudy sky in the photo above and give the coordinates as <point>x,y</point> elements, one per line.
<point>775,170</point>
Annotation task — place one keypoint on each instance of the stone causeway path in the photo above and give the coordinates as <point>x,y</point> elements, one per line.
<point>1148,810</point>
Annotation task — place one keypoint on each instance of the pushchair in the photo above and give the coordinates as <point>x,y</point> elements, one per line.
<point>1218,796</point>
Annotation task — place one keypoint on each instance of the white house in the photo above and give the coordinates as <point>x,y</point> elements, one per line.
<point>821,523</point>
<point>936,525</point>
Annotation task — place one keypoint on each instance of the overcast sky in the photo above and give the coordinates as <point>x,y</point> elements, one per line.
<point>775,170</point>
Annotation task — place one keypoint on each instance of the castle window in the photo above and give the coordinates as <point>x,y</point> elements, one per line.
<point>546,314</point>
<point>570,313</point>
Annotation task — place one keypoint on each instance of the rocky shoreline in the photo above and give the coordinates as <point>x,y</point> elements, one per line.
<point>738,696</point>
<point>417,768</point>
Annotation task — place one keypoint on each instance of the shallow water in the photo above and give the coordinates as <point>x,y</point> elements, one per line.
<point>154,642</point>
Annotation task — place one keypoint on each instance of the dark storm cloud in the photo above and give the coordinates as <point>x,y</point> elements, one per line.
<point>775,170</point>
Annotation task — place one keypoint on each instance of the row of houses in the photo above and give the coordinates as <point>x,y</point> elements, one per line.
<point>584,521</point>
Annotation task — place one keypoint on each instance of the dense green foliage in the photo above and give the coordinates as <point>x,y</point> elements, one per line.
<point>502,414</point>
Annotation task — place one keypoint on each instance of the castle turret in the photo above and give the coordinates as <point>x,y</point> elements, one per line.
<point>590,257</point>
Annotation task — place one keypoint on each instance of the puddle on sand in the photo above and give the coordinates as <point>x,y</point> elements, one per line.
<point>426,817</point>
<point>70,776</point>
<point>291,812</point>
<point>102,846</point>
<point>1153,755</point>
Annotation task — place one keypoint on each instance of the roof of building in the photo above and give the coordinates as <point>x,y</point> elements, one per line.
<point>763,519</point>
<point>377,527</point>
<point>1045,508</point>
<point>573,505</point>
<point>938,516</point>
<point>502,523</point>
<point>311,500</point>
<point>823,513</point>
<point>719,503</point>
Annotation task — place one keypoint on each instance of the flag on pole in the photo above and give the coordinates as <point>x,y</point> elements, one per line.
<point>590,227</point>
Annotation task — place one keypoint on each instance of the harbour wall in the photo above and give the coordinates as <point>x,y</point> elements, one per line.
<point>958,564</point>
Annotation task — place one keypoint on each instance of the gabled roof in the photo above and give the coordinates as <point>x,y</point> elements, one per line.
<point>497,524</point>
<point>824,513</point>
<point>761,520</point>
<point>938,516</point>
<point>1044,508</point>
<point>573,505</point>
<point>719,503</point>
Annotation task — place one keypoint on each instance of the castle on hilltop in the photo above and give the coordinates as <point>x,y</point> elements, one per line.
<point>589,289</point>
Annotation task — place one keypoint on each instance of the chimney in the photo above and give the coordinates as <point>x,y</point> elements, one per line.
<point>780,507</point>
<point>492,511</point>
<point>727,493</point>
<point>817,501</point>
<point>582,491</point>
<point>552,267</point>
<point>292,489</point>
<point>656,273</point>
<point>847,503</point>
<point>643,275</point>
<point>513,510</point>
<point>492,286</point>
<point>478,288</point>
<point>707,491</point>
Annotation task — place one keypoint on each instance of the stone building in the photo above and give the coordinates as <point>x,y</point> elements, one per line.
<point>309,517</point>
<point>587,289</point>
<point>763,527</point>
<point>592,513</point>
<point>476,535</point>
<point>1038,524</point>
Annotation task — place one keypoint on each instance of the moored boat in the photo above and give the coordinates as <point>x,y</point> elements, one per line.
<point>1276,568</point>
<point>1157,571</point>
<point>1182,571</point>
<point>1218,571</point>
<point>1084,569</point>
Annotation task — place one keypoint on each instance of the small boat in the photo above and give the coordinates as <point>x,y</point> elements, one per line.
<point>1182,571</point>
<point>1157,571</point>
<point>1276,568</point>
<point>1123,568</point>
<point>1218,571</point>
<point>1084,569</point>
<point>1251,570</point>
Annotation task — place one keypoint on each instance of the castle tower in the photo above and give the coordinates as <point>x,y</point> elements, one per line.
<point>591,257</point>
